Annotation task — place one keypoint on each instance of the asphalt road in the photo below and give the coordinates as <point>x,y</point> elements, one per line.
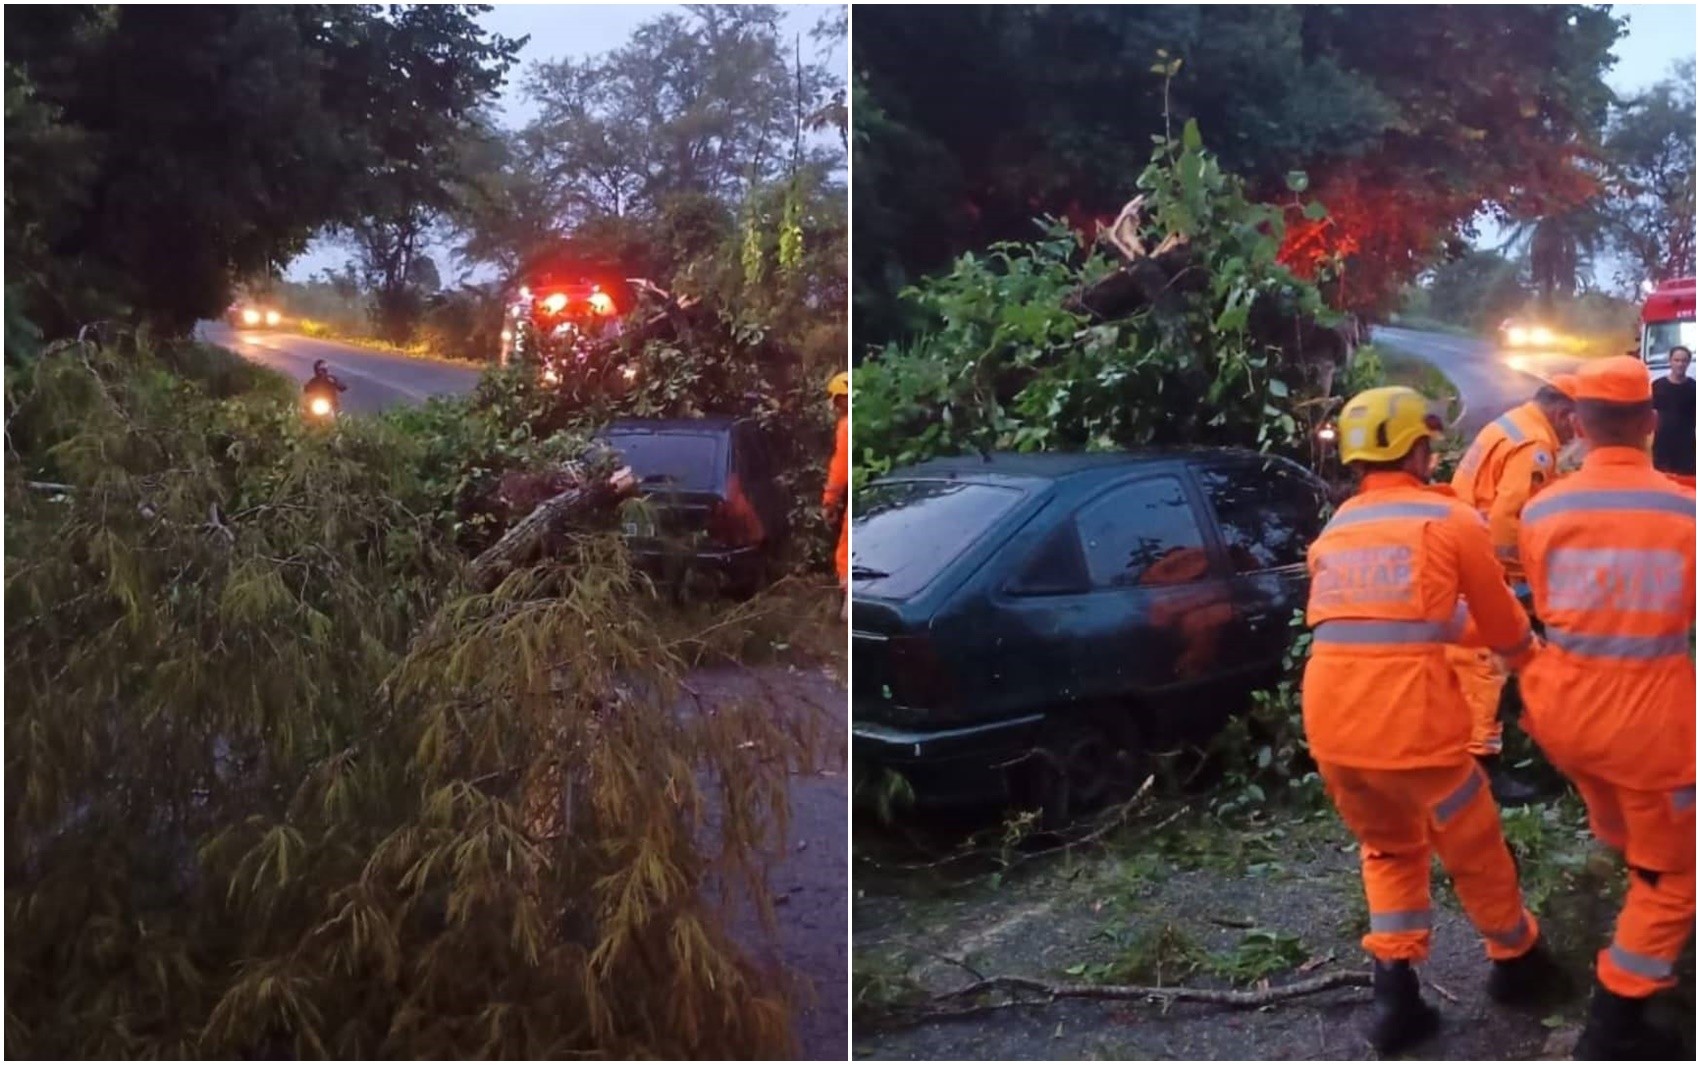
<point>1490,381</point>
<point>375,379</point>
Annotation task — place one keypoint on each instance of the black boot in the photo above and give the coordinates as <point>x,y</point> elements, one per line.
<point>1401,1019</point>
<point>1615,1030</point>
<point>1507,790</point>
<point>1530,979</point>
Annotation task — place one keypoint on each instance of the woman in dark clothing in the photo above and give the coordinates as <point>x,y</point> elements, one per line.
<point>1673,398</point>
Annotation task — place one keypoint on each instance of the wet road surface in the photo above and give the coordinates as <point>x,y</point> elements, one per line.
<point>376,380</point>
<point>1490,381</point>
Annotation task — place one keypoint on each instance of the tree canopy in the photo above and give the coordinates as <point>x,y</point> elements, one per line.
<point>1409,121</point>
<point>202,144</point>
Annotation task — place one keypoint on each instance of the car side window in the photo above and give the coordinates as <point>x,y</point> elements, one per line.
<point>1056,568</point>
<point>1268,512</point>
<point>1144,533</point>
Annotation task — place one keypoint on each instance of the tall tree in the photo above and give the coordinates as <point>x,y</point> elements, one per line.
<point>1651,206</point>
<point>218,139</point>
<point>1409,120</point>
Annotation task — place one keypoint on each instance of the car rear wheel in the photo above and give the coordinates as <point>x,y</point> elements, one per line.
<point>1082,763</point>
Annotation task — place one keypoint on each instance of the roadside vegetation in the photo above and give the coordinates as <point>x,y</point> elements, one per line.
<point>292,769</point>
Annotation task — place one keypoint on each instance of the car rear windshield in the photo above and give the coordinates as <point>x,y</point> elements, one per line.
<point>682,459</point>
<point>905,533</point>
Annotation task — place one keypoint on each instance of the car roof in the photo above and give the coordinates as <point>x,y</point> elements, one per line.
<point>1058,465</point>
<point>707,423</point>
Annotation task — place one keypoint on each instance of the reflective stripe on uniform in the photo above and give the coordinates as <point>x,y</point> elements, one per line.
<point>1509,428</point>
<point>1447,808</point>
<point>1683,799</point>
<point>1615,645</point>
<point>1549,503</point>
<point>1517,648</point>
<point>1512,937</point>
<point>1357,631</point>
<point>1643,965</point>
<point>1385,511</point>
<point>1400,921</point>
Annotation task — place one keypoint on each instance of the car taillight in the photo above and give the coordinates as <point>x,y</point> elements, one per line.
<point>728,523</point>
<point>919,678</point>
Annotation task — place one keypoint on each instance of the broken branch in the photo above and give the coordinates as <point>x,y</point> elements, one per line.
<point>1040,992</point>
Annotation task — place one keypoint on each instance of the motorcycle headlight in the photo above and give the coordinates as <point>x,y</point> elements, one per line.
<point>321,406</point>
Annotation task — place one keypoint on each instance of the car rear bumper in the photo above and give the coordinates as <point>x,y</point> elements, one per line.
<point>957,766</point>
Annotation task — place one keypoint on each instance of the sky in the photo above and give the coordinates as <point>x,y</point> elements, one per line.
<point>558,31</point>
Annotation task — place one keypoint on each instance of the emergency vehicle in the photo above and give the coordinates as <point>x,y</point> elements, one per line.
<point>1667,321</point>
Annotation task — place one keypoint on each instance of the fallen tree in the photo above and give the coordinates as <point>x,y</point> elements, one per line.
<point>1178,324</point>
<point>285,779</point>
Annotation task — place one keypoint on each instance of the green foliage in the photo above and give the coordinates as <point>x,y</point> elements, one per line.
<point>1265,755</point>
<point>1005,362</point>
<point>279,784</point>
<point>1260,954</point>
<point>1150,955</point>
<point>1401,108</point>
<point>214,141</point>
<point>1651,158</point>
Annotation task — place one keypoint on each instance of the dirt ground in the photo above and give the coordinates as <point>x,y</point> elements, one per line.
<point>1201,904</point>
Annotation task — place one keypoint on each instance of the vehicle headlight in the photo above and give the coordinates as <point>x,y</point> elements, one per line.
<point>250,316</point>
<point>1540,334</point>
<point>1517,335</point>
<point>321,406</point>
<point>272,318</point>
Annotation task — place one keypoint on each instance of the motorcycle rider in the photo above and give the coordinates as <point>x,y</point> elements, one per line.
<point>326,384</point>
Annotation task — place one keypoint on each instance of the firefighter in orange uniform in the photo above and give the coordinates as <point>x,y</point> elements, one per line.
<point>1514,457</point>
<point>1404,569</point>
<point>1610,698</point>
<point>836,497</point>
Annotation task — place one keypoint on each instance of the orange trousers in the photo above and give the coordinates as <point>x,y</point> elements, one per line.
<point>1654,831</point>
<point>1404,817</point>
<point>1483,683</point>
<point>841,557</point>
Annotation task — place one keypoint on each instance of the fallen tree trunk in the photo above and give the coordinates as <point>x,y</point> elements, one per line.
<point>524,543</point>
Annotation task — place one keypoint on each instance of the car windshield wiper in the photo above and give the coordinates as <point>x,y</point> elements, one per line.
<point>867,573</point>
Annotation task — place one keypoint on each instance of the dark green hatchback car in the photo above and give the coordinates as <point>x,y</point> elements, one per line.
<point>1033,625</point>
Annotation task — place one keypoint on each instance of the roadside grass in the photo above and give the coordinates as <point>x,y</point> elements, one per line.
<point>1429,325</point>
<point>319,330</point>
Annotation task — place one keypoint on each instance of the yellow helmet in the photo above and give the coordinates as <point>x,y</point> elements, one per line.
<point>1384,424</point>
<point>839,385</point>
